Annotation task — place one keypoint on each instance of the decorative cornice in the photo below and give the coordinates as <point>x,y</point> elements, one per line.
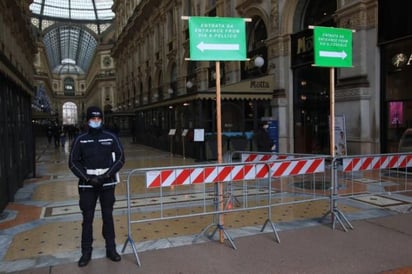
<point>353,82</point>
<point>353,94</point>
<point>359,15</point>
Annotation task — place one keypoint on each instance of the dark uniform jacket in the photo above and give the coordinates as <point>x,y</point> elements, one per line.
<point>263,141</point>
<point>94,153</point>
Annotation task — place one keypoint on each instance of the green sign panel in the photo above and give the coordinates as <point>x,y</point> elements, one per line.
<point>333,47</point>
<point>217,39</point>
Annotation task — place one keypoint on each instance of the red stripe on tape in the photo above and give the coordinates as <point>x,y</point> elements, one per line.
<point>263,171</point>
<point>203,175</point>
<point>298,167</point>
<point>380,162</point>
<point>182,177</point>
<point>241,174</point>
<point>223,172</point>
<point>251,158</point>
<point>266,157</point>
<point>314,165</point>
<point>352,164</point>
<point>158,181</point>
<point>366,163</point>
<point>281,169</point>
<point>393,161</point>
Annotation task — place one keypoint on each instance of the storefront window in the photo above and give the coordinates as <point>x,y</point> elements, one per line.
<point>397,107</point>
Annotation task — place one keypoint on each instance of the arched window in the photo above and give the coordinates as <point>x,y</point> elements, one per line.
<point>319,13</point>
<point>69,86</point>
<point>256,49</point>
<point>70,116</point>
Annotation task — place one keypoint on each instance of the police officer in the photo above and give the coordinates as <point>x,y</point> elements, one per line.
<point>95,158</point>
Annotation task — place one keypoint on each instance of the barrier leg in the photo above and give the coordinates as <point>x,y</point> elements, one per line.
<point>337,215</point>
<point>129,239</point>
<point>269,206</point>
<point>219,226</point>
<point>273,228</point>
<point>334,211</point>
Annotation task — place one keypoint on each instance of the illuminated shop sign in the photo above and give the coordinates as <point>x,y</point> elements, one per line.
<point>400,60</point>
<point>302,48</point>
<point>304,45</point>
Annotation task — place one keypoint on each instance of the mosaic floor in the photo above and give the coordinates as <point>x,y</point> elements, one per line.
<point>44,222</point>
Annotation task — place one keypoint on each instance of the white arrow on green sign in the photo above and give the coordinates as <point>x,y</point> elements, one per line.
<point>333,54</point>
<point>217,38</point>
<point>333,47</point>
<point>203,46</point>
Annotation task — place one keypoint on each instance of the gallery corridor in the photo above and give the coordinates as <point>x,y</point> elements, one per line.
<point>40,232</point>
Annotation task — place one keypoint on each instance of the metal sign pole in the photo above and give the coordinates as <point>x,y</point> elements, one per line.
<point>219,149</point>
<point>218,115</point>
<point>332,112</point>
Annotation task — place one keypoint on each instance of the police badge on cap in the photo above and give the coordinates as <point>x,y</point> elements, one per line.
<point>94,112</point>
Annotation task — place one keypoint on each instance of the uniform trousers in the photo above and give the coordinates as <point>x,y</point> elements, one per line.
<point>87,203</point>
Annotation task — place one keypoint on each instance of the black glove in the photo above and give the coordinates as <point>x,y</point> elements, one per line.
<point>98,181</point>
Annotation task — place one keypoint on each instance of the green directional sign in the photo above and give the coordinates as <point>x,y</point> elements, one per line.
<point>333,47</point>
<point>217,38</point>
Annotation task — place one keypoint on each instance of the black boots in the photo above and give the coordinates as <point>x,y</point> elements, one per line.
<point>84,259</point>
<point>113,255</point>
<point>110,254</point>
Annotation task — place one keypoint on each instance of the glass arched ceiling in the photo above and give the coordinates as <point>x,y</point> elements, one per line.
<point>70,30</point>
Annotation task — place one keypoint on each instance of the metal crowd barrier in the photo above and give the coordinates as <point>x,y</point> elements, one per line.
<point>253,156</point>
<point>166,193</point>
<point>369,178</point>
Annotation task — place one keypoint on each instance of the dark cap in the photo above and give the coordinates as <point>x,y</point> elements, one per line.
<point>94,112</point>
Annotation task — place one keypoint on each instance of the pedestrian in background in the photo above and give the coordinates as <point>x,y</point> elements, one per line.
<point>262,138</point>
<point>62,136</point>
<point>56,135</point>
<point>49,134</point>
<point>95,158</point>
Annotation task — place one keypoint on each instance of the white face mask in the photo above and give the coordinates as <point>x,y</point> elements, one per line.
<point>266,126</point>
<point>95,124</point>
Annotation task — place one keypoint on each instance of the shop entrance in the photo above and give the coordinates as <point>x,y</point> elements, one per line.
<point>310,84</point>
<point>397,96</point>
<point>311,110</point>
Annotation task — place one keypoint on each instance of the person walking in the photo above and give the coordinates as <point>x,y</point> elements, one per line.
<point>263,141</point>
<point>96,157</point>
<point>56,135</point>
<point>49,134</point>
<point>62,136</point>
